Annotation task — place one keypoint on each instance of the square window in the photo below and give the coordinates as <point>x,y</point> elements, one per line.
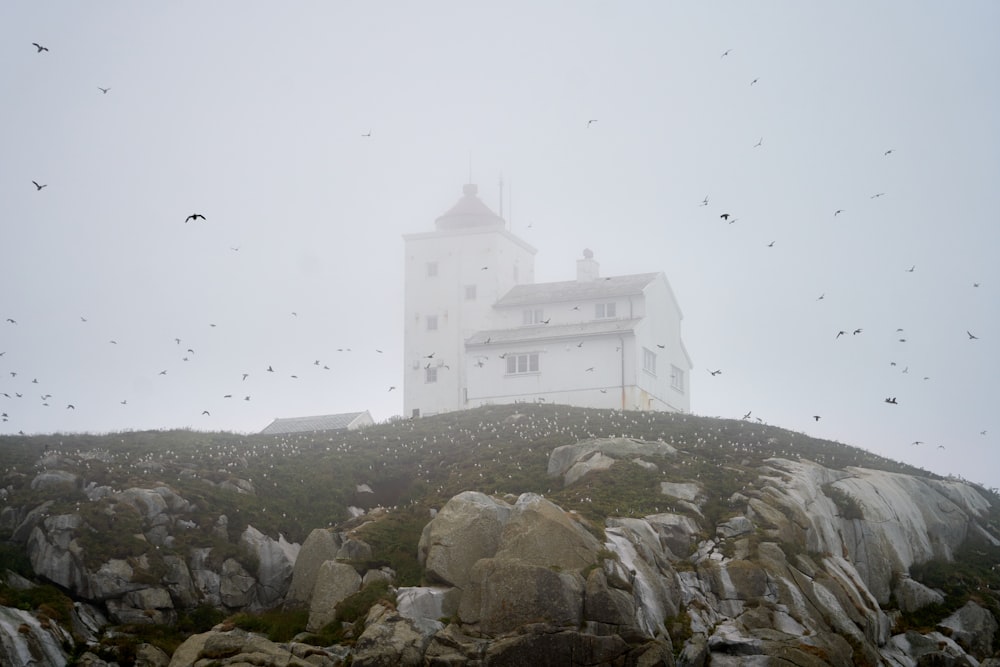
<point>518,364</point>
<point>432,322</point>
<point>430,375</point>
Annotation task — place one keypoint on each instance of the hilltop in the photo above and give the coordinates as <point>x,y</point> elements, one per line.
<point>144,510</point>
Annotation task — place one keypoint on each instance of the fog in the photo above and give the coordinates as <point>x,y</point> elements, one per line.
<point>853,147</point>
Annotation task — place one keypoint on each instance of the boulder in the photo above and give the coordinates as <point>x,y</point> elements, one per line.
<point>599,454</point>
<point>55,481</point>
<point>220,647</point>
<point>236,585</point>
<point>912,595</point>
<point>391,639</point>
<point>466,529</point>
<point>334,582</point>
<point>539,532</point>
<point>320,546</point>
<point>504,594</point>
<point>275,562</point>
<point>973,628</point>
<point>542,645</point>
<point>424,602</point>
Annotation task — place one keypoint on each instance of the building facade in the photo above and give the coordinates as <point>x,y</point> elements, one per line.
<point>478,330</point>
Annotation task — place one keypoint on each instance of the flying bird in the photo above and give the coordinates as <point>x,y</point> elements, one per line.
<point>590,370</point>
<point>877,195</point>
<point>838,212</point>
<point>392,387</point>
<point>726,53</point>
<point>856,332</point>
<point>771,244</point>
<point>911,269</point>
<point>39,186</point>
<point>716,372</point>
<point>724,216</point>
<point>194,216</point>
<point>367,135</point>
<point>704,202</point>
<point>39,47</point>
<point>747,415</point>
<point>103,90</point>
<point>841,333</point>
<point>759,142</point>
<point>592,120</point>
<point>891,400</point>
<point>917,442</point>
<point>206,412</point>
<point>971,337</point>
<point>889,152</point>
<point>816,417</point>
<point>754,81</point>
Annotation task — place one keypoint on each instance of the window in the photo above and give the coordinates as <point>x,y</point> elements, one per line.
<point>649,361</point>
<point>432,269</point>
<point>603,311</point>
<point>430,375</point>
<point>533,316</point>
<point>470,292</point>
<point>522,363</point>
<point>432,322</point>
<point>677,379</point>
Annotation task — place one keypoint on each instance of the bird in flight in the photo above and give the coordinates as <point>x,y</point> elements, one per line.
<point>754,81</point>
<point>911,269</point>
<point>716,372</point>
<point>392,387</point>
<point>838,212</point>
<point>206,412</point>
<point>856,332</point>
<point>724,216</point>
<point>193,216</point>
<point>917,442</point>
<point>841,333</point>
<point>39,47</point>
<point>821,297</point>
<point>759,142</point>
<point>971,337</point>
<point>891,400</point>
<point>704,202</point>
<point>747,415</point>
<point>889,152</point>
<point>726,53</point>
<point>39,186</point>
<point>771,244</point>
<point>103,90</point>
<point>816,417</point>
<point>367,135</point>
<point>877,195</point>
<point>590,370</point>
<point>592,120</point>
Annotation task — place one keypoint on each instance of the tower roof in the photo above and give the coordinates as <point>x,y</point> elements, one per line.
<point>469,211</point>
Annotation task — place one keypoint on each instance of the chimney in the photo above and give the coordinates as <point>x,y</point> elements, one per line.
<point>587,269</point>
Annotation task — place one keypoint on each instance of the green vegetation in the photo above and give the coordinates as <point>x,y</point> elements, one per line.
<point>291,484</point>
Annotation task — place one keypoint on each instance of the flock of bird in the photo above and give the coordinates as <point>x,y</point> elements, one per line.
<point>728,217</point>
<point>13,389</point>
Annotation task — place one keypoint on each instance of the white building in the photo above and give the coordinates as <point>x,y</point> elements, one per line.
<point>478,330</point>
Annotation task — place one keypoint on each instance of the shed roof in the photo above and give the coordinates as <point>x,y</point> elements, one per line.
<point>576,290</point>
<point>338,422</point>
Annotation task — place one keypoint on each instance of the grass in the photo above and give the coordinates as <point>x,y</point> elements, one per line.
<point>309,480</point>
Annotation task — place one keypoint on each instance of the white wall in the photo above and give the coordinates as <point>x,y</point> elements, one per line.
<point>460,256</point>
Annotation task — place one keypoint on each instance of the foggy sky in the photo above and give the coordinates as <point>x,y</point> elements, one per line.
<point>252,114</point>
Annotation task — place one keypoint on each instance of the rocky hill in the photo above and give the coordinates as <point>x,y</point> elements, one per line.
<point>499,536</point>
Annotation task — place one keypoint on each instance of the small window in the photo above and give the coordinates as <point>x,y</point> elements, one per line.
<point>649,361</point>
<point>470,292</point>
<point>533,316</point>
<point>603,311</point>
<point>518,364</point>
<point>677,379</point>
<point>415,413</point>
<point>432,322</point>
<point>432,269</point>
<point>430,375</point>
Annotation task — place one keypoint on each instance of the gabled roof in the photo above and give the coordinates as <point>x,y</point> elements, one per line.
<point>550,331</point>
<point>575,290</point>
<point>339,422</point>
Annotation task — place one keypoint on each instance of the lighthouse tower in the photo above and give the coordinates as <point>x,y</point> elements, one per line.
<point>454,275</point>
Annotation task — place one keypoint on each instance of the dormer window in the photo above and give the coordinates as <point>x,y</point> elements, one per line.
<point>604,311</point>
